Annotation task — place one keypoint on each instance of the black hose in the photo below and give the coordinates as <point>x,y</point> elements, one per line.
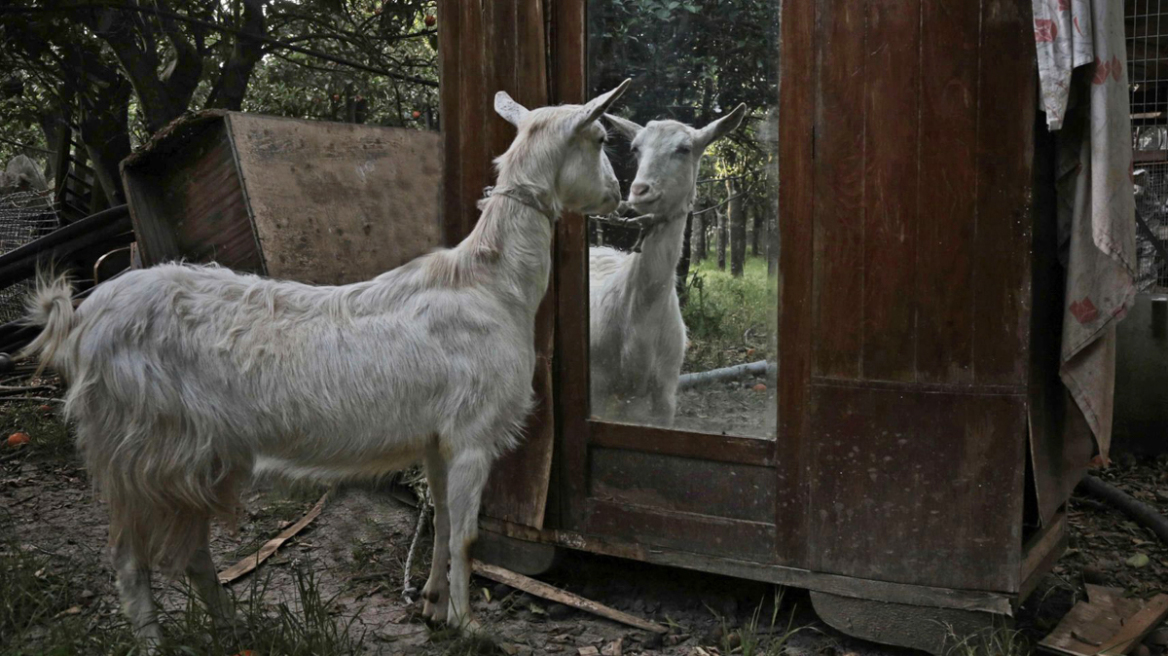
<point>1142,513</point>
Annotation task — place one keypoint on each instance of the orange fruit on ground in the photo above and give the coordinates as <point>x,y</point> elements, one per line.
<point>761,387</point>
<point>16,439</point>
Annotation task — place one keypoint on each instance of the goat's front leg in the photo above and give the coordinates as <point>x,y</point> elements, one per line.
<point>436,593</point>
<point>133,583</point>
<point>468,476</point>
<point>662,405</point>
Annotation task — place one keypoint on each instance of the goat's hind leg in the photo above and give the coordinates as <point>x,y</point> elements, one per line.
<point>436,593</point>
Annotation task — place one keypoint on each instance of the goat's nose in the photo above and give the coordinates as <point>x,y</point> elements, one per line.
<point>640,189</point>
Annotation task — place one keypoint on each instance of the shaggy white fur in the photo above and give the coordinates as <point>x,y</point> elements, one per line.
<point>637,336</point>
<point>185,381</point>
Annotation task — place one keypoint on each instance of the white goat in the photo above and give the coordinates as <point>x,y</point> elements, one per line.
<point>637,335</point>
<point>186,380</point>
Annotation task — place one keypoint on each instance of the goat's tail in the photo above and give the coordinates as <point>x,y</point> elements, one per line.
<point>50,306</point>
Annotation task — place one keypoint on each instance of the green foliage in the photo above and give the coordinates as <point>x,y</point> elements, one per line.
<point>65,64</point>
<point>730,320</point>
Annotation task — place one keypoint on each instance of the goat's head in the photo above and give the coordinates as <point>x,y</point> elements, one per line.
<point>561,149</point>
<point>668,154</point>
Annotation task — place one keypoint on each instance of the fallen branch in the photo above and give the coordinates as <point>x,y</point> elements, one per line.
<point>700,378</point>
<point>4,389</point>
<point>545,591</point>
<point>253,561</point>
<point>1142,513</point>
<point>42,399</point>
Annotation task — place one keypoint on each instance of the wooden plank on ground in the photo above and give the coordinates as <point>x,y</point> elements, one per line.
<point>1106,624</point>
<point>545,591</point>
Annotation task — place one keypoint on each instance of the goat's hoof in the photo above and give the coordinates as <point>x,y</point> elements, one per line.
<point>469,627</point>
<point>434,611</point>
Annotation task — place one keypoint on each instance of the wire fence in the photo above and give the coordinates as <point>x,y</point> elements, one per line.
<point>24,217</point>
<point>1147,33</point>
<point>1152,226</point>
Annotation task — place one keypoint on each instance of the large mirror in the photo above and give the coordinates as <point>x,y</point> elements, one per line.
<point>683,280</point>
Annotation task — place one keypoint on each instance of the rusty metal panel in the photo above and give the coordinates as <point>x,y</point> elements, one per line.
<point>334,203</point>
<point>919,486</point>
<point>186,200</point>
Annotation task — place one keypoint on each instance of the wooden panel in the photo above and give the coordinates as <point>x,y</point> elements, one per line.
<point>571,346</point>
<point>712,448</point>
<point>335,203</point>
<point>892,85</point>
<point>840,180</point>
<point>796,218</point>
<point>485,48</point>
<point>917,487</point>
<point>731,491</point>
<point>1044,546</point>
<point>917,595</point>
<point>188,202</point>
<point>518,488</point>
<point>1061,443</point>
<point>1001,280</point>
<point>451,67</point>
<point>686,532</point>
<point>948,190</point>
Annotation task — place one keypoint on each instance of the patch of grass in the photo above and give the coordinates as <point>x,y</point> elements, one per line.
<point>48,435</point>
<point>993,641</point>
<point>33,592</point>
<point>759,638</point>
<point>729,320</point>
<point>37,616</point>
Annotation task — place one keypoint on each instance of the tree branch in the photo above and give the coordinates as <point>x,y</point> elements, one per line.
<point>231,86</point>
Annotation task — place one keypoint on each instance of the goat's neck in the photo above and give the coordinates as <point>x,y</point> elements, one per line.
<point>512,242</point>
<point>653,270</point>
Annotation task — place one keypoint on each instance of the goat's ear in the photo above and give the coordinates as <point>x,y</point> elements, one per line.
<point>720,127</point>
<point>624,126</point>
<point>598,105</point>
<point>510,110</point>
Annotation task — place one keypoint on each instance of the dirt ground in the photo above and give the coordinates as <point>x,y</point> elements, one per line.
<point>356,552</point>
<point>733,408</point>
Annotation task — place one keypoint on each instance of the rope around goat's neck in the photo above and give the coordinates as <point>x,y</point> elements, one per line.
<point>523,196</point>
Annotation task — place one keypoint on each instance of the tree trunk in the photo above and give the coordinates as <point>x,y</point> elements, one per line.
<point>721,240</point>
<point>772,237</point>
<point>698,238</point>
<point>105,132</point>
<point>737,219</point>
<point>231,87</point>
<point>683,261</point>
<point>757,231</point>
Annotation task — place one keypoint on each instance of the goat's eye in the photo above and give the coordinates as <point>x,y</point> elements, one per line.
<point>603,139</point>
<point>636,150</point>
